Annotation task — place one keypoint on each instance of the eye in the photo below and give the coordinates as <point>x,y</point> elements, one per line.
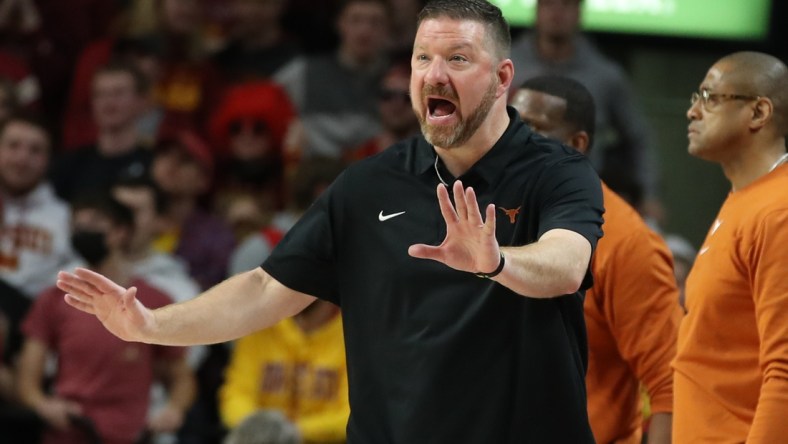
<point>458,58</point>
<point>421,58</point>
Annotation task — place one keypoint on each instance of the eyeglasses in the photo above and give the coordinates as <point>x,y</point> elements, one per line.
<point>710,100</point>
<point>387,95</point>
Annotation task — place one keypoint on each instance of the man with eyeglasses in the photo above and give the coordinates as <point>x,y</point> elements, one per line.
<point>731,368</point>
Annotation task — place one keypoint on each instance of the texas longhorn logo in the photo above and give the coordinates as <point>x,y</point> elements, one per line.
<point>511,213</point>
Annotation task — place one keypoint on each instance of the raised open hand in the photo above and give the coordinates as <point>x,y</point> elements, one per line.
<point>116,307</point>
<point>470,243</point>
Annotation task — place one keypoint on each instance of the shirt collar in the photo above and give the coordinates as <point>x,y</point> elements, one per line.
<point>489,167</point>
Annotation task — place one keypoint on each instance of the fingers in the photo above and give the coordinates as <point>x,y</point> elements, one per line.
<point>422,251</point>
<point>129,296</point>
<point>473,214</point>
<point>98,281</point>
<point>465,208</point>
<point>489,220</point>
<point>460,203</point>
<point>79,305</point>
<point>73,284</point>
<point>447,209</point>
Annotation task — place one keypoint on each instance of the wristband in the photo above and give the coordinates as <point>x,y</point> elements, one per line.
<point>497,270</point>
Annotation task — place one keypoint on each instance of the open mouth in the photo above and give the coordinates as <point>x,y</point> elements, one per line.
<point>440,108</point>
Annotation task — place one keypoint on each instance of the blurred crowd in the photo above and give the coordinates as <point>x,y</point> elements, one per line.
<point>170,144</point>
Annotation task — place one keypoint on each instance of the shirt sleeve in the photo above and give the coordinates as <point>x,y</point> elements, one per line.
<point>571,199</point>
<point>305,259</point>
<point>642,310</point>
<point>769,262</point>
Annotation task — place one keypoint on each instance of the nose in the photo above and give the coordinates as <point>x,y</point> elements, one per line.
<point>436,73</point>
<point>693,113</point>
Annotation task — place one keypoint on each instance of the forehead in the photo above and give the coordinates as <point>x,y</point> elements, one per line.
<point>451,33</point>
<point>134,196</point>
<point>716,76</point>
<point>24,130</point>
<point>113,78</point>
<point>90,217</point>
<point>535,103</point>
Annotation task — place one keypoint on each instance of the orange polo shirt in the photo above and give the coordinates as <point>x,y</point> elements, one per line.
<point>632,316</point>
<point>731,368</point>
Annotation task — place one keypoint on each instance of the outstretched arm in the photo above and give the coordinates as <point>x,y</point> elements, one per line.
<point>242,304</point>
<point>553,266</point>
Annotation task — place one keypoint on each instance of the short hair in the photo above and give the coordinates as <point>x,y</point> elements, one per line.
<point>101,201</point>
<point>480,11</point>
<point>580,111</point>
<point>32,119</point>
<point>161,201</point>
<point>142,83</point>
<point>264,427</point>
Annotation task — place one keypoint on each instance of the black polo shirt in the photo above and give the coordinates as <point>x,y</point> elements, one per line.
<point>437,355</point>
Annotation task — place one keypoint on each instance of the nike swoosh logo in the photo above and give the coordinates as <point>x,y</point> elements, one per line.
<point>383,218</point>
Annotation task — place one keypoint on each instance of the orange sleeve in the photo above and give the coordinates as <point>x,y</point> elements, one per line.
<point>769,262</point>
<point>644,313</point>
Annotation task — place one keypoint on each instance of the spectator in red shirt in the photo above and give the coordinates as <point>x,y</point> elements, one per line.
<point>102,384</point>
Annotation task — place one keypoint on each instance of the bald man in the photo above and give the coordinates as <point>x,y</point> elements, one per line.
<point>632,312</point>
<point>731,368</point>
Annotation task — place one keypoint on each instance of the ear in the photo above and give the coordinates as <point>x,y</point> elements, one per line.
<point>761,113</point>
<point>505,77</point>
<point>579,141</point>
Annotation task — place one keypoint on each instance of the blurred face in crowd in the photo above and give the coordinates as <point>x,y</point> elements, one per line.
<point>105,237</point>
<point>720,125</point>
<point>557,19</point>
<point>24,157</point>
<point>178,173</point>
<point>182,16</point>
<point>116,101</point>
<point>250,17</point>
<point>363,28</point>
<point>142,202</point>
<point>249,139</point>
<point>544,113</point>
<point>454,82</point>
<point>394,104</point>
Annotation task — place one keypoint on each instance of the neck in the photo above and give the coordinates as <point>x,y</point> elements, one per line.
<point>458,160</point>
<point>752,164</point>
<point>555,48</point>
<point>117,141</point>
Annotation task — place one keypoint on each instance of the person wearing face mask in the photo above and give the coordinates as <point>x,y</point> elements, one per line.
<point>102,385</point>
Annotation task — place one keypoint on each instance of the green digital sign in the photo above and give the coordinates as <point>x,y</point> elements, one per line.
<point>722,19</point>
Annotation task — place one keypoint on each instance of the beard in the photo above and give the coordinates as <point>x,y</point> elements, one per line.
<point>450,136</point>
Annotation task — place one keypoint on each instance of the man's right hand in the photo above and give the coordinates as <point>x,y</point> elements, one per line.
<point>116,307</point>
